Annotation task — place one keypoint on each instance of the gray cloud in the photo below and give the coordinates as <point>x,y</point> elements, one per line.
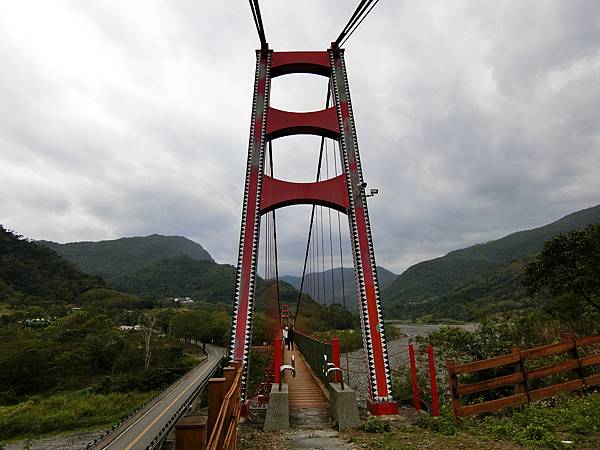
<point>123,118</point>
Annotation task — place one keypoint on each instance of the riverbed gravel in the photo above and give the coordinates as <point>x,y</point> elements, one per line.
<point>356,368</point>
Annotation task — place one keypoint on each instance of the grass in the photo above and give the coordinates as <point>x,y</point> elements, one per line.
<point>547,424</point>
<point>542,425</point>
<point>5,310</point>
<point>413,438</point>
<point>67,411</point>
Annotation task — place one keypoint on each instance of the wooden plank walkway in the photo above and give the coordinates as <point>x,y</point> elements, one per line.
<point>304,390</point>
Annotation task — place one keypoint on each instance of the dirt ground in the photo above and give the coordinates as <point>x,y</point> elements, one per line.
<point>402,436</point>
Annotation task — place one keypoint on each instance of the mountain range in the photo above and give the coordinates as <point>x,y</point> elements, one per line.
<point>113,259</point>
<point>476,281</point>
<point>159,266</point>
<point>342,282</point>
<point>465,284</point>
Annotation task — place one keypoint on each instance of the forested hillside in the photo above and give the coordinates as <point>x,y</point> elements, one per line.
<point>179,277</point>
<point>31,274</point>
<point>476,281</point>
<point>343,284</point>
<point>113,258</point>
<point>157,266</point>
<point>182,276</point>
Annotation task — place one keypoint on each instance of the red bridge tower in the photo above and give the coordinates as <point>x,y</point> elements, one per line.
<point>344,193</point>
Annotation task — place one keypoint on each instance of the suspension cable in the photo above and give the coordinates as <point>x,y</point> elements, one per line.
<point>360,13</point>
<point>351,21</point>
<point>333,308</point>
<point>358,24</point>
<point>321,265</point>
<point>275,243</point>
<point>266,278</point>
<point>312,217</point>
<point>254,6</point>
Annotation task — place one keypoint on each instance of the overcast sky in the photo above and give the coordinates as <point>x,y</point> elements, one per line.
<point>123,118</point>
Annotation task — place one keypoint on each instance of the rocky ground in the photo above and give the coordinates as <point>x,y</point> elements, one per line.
<point>355,364</point>
<point>402,435</point>
<point>309,429</point>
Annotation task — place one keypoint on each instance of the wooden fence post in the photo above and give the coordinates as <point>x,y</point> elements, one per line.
<point>237,398</point>
<point>215,399</point>
<point>520,387</point>
<point>435,403</point>
<point>453,384</point>
<point>229,375</point>
<point>574,354</point>
<point>190,433</point>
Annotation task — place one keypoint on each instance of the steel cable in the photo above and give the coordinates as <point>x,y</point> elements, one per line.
<point>358,24</point>
<point>360,14</point>
<point>255,7</point>
<point>312,217</point>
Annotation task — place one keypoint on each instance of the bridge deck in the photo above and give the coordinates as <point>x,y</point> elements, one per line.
<point>304,390</point>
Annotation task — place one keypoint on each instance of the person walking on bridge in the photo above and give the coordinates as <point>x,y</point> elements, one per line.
<point>284,334</point>
<point>290,339</point>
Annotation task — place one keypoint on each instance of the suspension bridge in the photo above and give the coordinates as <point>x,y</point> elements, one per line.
<point>308,375</point>
<point>339,187</point>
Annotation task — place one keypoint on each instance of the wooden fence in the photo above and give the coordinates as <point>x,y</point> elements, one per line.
<point>525,370</point>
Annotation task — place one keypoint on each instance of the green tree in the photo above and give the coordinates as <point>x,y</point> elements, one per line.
<point>568,264</point>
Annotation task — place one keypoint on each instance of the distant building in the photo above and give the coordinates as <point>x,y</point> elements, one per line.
<point>183,300</point>
<point>129,328</point>
<point>38,322</point>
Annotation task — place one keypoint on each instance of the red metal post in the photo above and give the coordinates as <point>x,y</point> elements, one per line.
<point>380,378</point>
<point>335,356</point>
<point>413,373</point>
<point>276,358</point>
<point>250,227</point>
<point>435,402</point>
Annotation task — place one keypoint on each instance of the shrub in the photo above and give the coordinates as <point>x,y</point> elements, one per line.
<point>444,424</point>
<point>376,425</point>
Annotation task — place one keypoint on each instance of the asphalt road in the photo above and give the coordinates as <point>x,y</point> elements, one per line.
<point>138,433</point>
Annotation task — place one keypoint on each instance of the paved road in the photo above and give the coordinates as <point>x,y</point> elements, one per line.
<point>141,430</point>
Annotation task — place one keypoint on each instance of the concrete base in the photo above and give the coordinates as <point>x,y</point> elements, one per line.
<point>382,408</point>
<point>342,407</point>
<point>278,409</point>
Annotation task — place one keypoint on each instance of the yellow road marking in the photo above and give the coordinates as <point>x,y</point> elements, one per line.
<point>156,419</point>
<point>147,412</point>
